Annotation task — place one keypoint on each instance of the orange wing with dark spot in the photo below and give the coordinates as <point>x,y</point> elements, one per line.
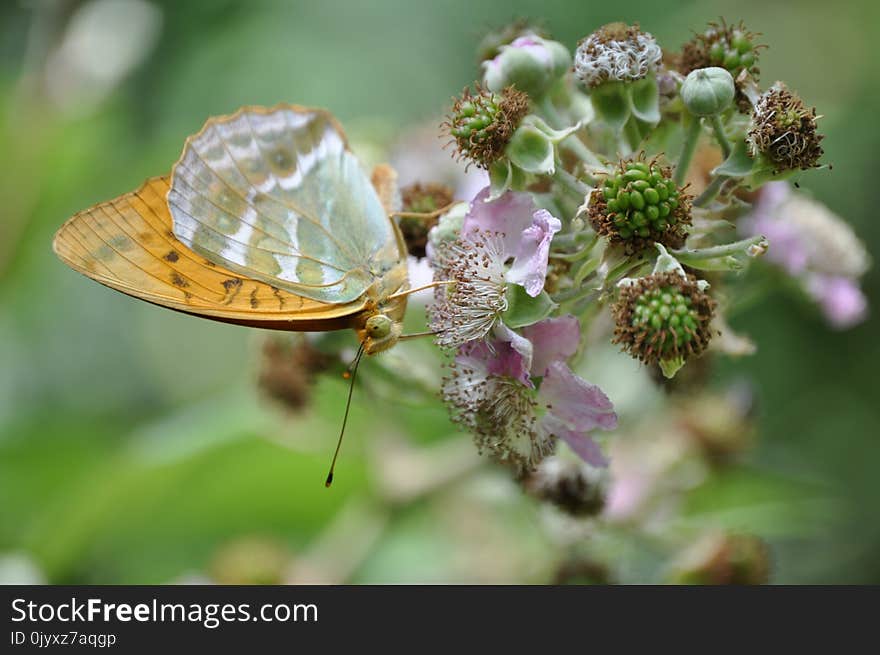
<point>128,244</point>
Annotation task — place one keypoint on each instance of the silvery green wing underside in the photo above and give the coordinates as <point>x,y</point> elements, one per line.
<point>274,194</point>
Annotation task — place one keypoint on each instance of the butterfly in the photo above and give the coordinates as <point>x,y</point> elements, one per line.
<point>266,220</point>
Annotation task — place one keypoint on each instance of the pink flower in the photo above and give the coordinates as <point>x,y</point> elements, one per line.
<point>491,392</point>
<point>524,231</point>
<point>840,298</point>
<point>492,234</point>
<point>814,246</point>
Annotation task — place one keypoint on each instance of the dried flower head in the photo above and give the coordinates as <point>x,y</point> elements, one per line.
<point>500,412</point>
<point>422,198</point>
<point>731,47</point>
<point>638,205</point>
<point>663,317</point>
<point>289,368</point>
<point>616,53</point>
<point>784,131</point>
<point>570,485</point>
<point>482,123</point>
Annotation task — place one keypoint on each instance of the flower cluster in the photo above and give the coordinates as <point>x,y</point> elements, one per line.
<point>592,228</point>
<point>502,245</point>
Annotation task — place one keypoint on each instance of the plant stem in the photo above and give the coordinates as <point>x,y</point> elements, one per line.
<point>691,136</point>
<point>711,191</point>
<point>695,257</point>
<point>726,148</point>
<point>548,112</point>
<point>570,182</point>
<point>573,143</point>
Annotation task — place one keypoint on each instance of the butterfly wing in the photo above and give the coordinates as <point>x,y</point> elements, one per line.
<point>128,245</point>
<point>275,194</point>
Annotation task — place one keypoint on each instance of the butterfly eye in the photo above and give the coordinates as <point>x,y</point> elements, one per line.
<point>378,326</point>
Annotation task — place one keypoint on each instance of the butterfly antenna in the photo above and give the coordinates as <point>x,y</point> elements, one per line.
<point>354,369</point>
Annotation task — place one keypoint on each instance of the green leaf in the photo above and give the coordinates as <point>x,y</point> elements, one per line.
<point>612,102</point>
<point>739,164</point>
<point>645,99</point>
<point>524,310</point>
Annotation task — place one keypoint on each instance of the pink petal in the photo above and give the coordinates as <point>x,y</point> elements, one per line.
<point>553,339</point>
<point>581,405</point>
<point>508,355</point>
<point>507,216</point>
<point>530,265</point>
<point>580,442</point>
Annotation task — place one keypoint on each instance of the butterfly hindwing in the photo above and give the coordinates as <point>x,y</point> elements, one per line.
<point>275,195</point>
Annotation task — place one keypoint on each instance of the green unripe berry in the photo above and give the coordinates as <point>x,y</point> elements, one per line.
<point>636,199</point>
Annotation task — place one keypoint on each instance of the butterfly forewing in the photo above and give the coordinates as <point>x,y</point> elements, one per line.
<point>274,194</point>
<point>128,244</point>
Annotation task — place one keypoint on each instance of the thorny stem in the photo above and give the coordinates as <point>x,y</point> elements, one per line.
<point>718,127</point>
<point>691,136</point>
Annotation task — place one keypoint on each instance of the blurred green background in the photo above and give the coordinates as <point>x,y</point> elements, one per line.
<point>133,445</point>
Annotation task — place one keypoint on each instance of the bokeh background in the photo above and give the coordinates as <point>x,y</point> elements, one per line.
<point>134,444</point>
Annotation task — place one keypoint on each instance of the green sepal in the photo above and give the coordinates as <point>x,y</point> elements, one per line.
<point>530,150</point>
<point>739,164</point>
<point>644,98</point>
<point>671,366</point>
<point>505,177</point>
<point>765,171</point>
<point>612,103</point>
<point>524,310</point>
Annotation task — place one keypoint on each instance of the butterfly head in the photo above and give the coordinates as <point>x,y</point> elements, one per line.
<point>379,333</point>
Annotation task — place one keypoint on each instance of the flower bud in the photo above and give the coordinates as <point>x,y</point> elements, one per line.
<point>530,63</point>
<point>616,53</point>
<point>491,44</point>
<point>482,123</point>
<point>663,317</point>
<point>783,131</point>
<point>708,91</point>
<point>639,204</point>
<point>730,47</point>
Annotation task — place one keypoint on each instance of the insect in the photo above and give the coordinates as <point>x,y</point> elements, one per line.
<point>266,220</point>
